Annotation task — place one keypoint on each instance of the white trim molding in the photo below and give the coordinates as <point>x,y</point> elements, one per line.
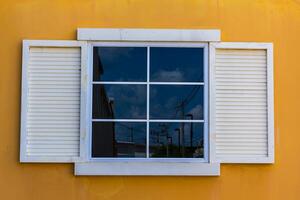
<point>122,34</point>
<point>147,169</point>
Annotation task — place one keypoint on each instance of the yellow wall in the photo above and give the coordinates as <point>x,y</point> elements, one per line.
<point>275,21</point>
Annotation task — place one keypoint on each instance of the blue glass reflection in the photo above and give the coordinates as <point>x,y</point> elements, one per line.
<point>119,101</point>
<point>119,139</point>
<point>176,64</point>
<point>176,140</point>
<point>120,64</point>
<point>176,102</point>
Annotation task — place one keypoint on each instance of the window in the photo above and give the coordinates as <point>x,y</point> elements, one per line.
<point>147,102</point>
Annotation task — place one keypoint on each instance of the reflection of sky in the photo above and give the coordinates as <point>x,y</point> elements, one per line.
<point>129,100</point>
<point>123,132</point>
<point>165,101</point>
<point>166,64</point>
<point>164,129</point>
<point>123,63</point>
<point>176,64</point>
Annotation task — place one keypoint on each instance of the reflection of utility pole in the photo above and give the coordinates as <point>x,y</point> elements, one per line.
<point>131,134</point>
<point>111,106</point>
<point>191,131</point>
<point>181,106</point>
<point>158,141</point>
<point>164,132</point>
<point>179,138</point>
<point>169,141</point>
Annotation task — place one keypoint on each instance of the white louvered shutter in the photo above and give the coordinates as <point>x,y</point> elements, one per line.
<point>241,102</point>
<point>51,97</point>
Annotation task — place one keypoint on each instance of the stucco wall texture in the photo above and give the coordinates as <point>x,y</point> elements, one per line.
<point>276,21</point>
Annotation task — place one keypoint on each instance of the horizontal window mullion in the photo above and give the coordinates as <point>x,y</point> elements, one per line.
<point>119,120</point>
<point>145,83</point>
<point>136,159</point>
<point>150,120</point>
<point>119,82</point>
<point>176,120</point>
<point>176,83</point>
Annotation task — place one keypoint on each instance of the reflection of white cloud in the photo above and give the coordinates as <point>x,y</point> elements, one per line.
<point>171,75</point>
<point>113,53</point>
<point>130,99</point>
<point>196,111</point>
<point>166,109</point>
<point>129,93</point>
<point>136,112</point>
<point>171,103</point>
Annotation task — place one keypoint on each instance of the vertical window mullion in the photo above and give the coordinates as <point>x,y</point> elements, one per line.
<point>91,86</point>
<point>148,103</point>
<point>206,103</point>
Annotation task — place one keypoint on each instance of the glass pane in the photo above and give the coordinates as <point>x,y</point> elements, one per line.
<point>119,139</point>
<point>176,64</point>
<point>176,102</point>
<point>120,64</point>
<point>119,101</point>
<point>176,140</point>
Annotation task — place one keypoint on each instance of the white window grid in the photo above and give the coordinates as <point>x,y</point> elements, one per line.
<point>148,45</point>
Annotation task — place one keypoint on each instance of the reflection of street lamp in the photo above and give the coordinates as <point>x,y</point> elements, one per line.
<point>111,107</point>
<point>170,140</point>
<point>178,131</point>
<point>131,134</point>
<point>191,133</point>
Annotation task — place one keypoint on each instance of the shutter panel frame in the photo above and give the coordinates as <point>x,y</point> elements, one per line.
<point>27,44</point>
<point>268,47</point>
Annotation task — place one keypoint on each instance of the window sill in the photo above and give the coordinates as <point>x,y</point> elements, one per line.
<point>146,169</point>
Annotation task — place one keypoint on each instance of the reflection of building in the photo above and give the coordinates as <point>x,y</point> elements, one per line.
<point>103,133</point>
<point>105,143</point>
<point>130,149</point>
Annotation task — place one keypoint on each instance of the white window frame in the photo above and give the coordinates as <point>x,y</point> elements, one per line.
<point>146,166</point>
<point>148,83</point>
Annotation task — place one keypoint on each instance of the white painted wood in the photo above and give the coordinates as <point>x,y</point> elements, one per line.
<point>177,35</point>
<point>51,125</point>
<point>147,169</point>
<point>241,103</point>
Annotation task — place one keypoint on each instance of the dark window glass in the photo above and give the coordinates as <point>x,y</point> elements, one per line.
<point>120,64</point>
<point>176,140</point>
<point>119,101</point>
<point>176,64</point>
<point>119,139</point>
<point>176,102</point>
